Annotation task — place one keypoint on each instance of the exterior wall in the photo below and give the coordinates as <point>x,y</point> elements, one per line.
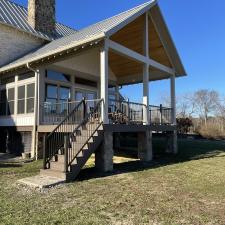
<point>88,62</point>
<point>15,43</point>
<point>19,120</point>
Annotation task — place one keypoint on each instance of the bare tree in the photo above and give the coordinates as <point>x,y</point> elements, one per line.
<point>185,105</point>
<point>206,103</point>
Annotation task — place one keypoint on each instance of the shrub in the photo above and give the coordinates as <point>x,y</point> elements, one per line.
<point>184,125</point>
<point>211,131</point>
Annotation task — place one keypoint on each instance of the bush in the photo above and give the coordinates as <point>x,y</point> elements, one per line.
<point>184,125</point>
<point>211,131</point>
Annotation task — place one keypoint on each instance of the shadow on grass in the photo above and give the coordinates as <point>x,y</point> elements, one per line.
<point>10,165</point>
<point>188,150</point>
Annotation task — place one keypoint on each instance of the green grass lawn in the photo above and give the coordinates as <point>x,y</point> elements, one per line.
<point>186,189</point>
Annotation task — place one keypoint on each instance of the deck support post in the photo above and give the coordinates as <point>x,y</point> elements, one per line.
<point>145,152</point>
<point>172,142</point>
<point>104,154</point>
<point>104,81</point>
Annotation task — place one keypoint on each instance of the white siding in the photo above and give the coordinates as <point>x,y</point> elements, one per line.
<point>19,120</point>
<point>15,43</point>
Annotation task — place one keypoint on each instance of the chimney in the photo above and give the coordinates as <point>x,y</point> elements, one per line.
<point>41,15</point>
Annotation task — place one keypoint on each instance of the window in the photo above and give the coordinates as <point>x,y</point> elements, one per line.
<point>53,75</point>
<point>21,100</point>
<point>25,76</point>
<point>30,98</point>
<point>11,101</point>
<point>26,99</point>
<point>57,94</point>
<point>51,93</point>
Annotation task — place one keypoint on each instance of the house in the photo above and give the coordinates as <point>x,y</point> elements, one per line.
<point>60,96</point>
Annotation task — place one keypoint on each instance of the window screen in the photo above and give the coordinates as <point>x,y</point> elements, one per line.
<point>30,98</point>
<point>11,101</point>
<point>21,100</point>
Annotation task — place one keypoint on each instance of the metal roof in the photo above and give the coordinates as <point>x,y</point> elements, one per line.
<point>15,15</point>
<point>94,32</point>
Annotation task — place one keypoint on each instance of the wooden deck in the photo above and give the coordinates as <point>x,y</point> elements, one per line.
<point>119,128</point>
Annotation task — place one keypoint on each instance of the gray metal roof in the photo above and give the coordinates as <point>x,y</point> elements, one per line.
<point>15,15</point>
<point>94,32</point>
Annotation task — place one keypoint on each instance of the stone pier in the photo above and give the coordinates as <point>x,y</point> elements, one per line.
<point>172,143</point>
<point>145,152</point>
<point>104,154</point>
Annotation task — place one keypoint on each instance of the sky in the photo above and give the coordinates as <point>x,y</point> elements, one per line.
<point>196,26</point>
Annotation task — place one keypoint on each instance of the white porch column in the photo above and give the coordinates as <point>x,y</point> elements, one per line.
<point>172,142</point>
<point>36,116</point>
<point>146,72</point>
<point>104,80</point>
<point>173,99</point>
<point>146,94</point>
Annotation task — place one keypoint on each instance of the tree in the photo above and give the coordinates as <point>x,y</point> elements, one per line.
<point>185,105</point>
<point>184,125</point>
<point>206,103</point>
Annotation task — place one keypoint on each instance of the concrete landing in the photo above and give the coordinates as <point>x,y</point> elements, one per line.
<point>41,182</point>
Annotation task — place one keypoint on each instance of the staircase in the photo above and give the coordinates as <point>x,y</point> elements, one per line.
<point>68,147</point>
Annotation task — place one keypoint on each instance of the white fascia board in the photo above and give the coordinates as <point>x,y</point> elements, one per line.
<point>122,50</point>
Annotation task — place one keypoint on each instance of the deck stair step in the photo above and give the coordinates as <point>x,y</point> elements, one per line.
<point>82,151</point>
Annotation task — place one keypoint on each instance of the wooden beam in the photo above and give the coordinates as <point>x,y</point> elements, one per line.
<point>122,50</point>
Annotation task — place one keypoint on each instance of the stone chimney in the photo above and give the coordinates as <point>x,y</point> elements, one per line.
<point>41,15</point>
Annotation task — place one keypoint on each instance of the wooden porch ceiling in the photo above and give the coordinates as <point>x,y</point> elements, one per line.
<point>131,36</point>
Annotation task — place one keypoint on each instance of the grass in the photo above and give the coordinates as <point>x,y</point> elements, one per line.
<point>186,189</point>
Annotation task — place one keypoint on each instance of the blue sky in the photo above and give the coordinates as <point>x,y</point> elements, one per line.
<point>197,27</point>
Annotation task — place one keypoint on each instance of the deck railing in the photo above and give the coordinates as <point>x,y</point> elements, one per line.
<point>160,115</point>
<point>120,112</point>
<point>54,113</point>
<point>125,112</point>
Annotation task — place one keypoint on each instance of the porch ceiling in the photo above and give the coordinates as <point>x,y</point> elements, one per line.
<point>128,71</point>
<point>131,36</point>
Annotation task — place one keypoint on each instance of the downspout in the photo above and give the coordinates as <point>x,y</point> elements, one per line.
<point>36,99</point>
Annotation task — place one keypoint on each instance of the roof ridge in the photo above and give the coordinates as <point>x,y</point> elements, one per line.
<point>138,6</point>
